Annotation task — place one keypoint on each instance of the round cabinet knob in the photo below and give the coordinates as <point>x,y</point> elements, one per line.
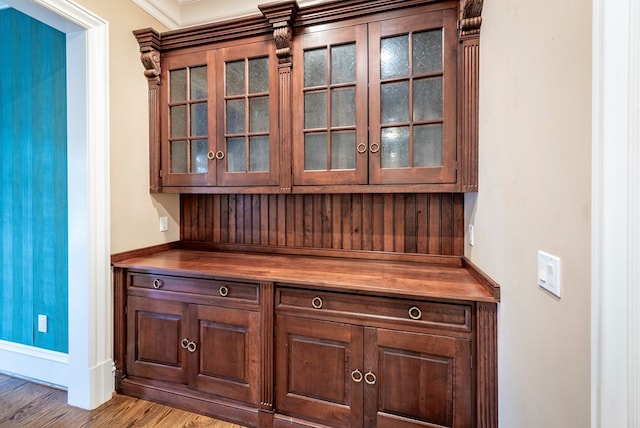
<point>374,147</point>
<point>211,155</point>
<point>362,148</point>
<point>184,343</point>
<point>316,302</point>
<point>191,347</point>
<point>157,283</point>
<point>224,291</point>
<point>370,378</point>
<point>356,376</point>
<point>219,155</point>
<point>415,313</point>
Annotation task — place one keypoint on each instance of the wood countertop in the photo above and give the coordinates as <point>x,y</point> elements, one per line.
<point>446,281</point>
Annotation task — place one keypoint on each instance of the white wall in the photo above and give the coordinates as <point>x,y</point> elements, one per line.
<point>535,174</point>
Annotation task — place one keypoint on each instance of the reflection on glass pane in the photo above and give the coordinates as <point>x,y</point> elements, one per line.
<point>235,116</point>
<point>178,121</point>
<point>178,85</point>
<point>178,157</point>
<point>236,156</point>
<point>427,145</point>
<point>259,154</point>
<point>394,57</point>
<point>395,102</point>
<point>199,161</point>
<point>234,78</point>
<point>258,75</point>
<point>343,107</point>
<point>315,152</point>
<point>199,82</point>
<point>427,99</point>
<point>427,51</point>
<point>315,110</point>
<point>343,150</point>
<point>395,147</point>
<point>315,67</point>
<point>199,119</point>
<point>259,114</point>
<point>343,64</point>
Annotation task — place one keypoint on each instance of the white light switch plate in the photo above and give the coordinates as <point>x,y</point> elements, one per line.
<point>164,224</point>
<point>42,323</point>
<point>549,272</point>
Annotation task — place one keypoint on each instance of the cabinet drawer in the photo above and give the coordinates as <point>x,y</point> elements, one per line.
<point>227,290</point>
<point>436,314</point>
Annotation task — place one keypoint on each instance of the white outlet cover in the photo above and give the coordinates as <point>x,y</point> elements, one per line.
<point>164,224</point>
<point>42,323</point>
<point>549,272</point>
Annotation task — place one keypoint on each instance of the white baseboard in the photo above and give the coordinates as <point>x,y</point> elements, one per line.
<point>40,365</point>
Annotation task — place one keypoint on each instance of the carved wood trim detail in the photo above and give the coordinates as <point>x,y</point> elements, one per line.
<point>281,17</point>
<point>470,17</point>
<point>150,58</point>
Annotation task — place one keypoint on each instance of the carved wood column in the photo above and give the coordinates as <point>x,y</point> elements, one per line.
<point>469,60</point>
<point>149,41</point>
<point>281,16</point>
<point>267,291</point>
<point>487,369</point>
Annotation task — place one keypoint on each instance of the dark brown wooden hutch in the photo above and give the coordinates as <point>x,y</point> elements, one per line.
<point>321,154</point>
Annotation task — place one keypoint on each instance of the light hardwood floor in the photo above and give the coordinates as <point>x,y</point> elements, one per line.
<point>29,405</point>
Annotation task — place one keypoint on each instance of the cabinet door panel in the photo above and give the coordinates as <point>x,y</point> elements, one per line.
<point>314,362</point>
<point>247,139</point>
<point>330,115</point>
<point>156,329</point>
<point>227,358</point>
<point>412,88</point>
<point>422,380</point>
<point>187,118</point>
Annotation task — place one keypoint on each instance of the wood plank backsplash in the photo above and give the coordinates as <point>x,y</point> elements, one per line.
<point>401,223</point>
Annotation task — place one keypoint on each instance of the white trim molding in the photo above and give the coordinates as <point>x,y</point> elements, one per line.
<point>615,296</point>
<point>46,366</point>
<point>89,374</point>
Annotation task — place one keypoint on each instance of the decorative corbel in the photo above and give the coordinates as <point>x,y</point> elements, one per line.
<point>151,60</point>
<point>470,18</point>
<point>281,16</point>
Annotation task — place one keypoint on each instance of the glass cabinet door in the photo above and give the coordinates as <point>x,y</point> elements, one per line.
<point>247,149</point>
<point>185,154</point>
<point>413,100</point>
<point>330,109</point>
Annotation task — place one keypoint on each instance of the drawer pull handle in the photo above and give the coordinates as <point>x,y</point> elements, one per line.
<point>184,343</point>
<point>370,378</point>
<point>191,347</point>
<point>157,283</point>
<point>356,376</point>
<point>316,302</point>
<point>224,291</point>
<point>415,313</point>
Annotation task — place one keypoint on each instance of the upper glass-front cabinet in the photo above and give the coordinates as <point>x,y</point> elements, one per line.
<point>221,114</point>
<point>336,97</point>
<point>403,128</point>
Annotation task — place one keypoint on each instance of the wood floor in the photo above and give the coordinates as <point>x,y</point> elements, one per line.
<point>28,405</point>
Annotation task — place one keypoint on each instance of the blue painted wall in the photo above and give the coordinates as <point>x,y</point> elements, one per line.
<point>33,182</point>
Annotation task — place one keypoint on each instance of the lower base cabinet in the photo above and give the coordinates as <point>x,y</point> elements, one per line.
<point>347,375</point>
<point>273,354</point>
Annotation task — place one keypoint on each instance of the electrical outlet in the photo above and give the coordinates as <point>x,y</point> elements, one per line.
<point>42,323</point>
<point>470,235</point>
<point>164,224</point>
<point>549,272</point>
